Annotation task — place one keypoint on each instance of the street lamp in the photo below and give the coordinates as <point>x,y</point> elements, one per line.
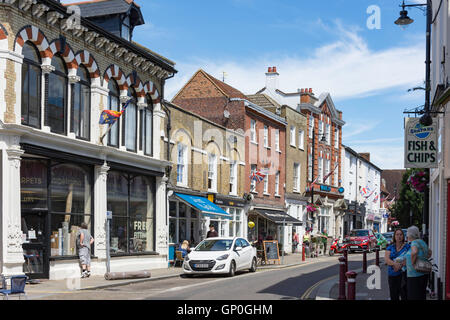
<point>404,20</point>
<point>426,119</point>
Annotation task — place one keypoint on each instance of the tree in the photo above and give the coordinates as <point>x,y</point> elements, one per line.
<point>410,201</point>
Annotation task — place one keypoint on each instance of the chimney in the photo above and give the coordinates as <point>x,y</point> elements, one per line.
<point>306,95</point>
<point>365,156</point>
<point>272,79</point>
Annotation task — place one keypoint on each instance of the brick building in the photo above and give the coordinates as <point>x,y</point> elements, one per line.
<point>57,75</point>
<point>264,146</point>
<point>208,162</point>
<point>325,124</point>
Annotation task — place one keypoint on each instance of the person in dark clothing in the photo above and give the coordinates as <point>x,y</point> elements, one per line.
<point>397,277</point>
<point>212,233</point>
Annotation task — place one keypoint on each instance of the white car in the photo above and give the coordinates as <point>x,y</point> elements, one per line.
<point>220,256</point>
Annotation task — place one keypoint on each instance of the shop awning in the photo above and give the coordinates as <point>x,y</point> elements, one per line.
<point>278,217</point>
<point>202,204</point>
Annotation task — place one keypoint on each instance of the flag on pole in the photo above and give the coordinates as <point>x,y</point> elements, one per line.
<point>111,116</point>
<point>367,197</point>
<point>259,176</point>
<point>329,174</point>
<point>375,200</point>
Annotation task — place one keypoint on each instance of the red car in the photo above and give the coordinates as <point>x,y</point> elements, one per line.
<point>360,240</point>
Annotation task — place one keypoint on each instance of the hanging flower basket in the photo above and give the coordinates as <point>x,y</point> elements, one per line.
<point>395,223</point>
<point>311,208</point>
<point>419,181</point>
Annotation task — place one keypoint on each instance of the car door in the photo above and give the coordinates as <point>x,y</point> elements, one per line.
<point>238,254</point>
<point>247,254</point>
<point>372,239</point>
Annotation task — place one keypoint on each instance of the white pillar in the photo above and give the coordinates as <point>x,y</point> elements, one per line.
<point>100,208</point>
<point>99,96</point>
<point>12,252</point>
<point>158,117</point>
<point>161,217</point>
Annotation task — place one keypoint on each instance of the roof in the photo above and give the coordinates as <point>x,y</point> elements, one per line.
<point>263,100</point>
<point>393,180</point>
<point>360,157</point>
<point>98,8</point>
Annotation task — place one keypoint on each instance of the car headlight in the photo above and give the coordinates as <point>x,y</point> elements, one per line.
<point>186,258</point>
<point>224,257</point>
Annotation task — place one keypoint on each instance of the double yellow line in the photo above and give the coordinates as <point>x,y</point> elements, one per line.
<point>308,292</point>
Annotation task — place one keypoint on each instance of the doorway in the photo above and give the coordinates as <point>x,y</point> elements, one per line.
<point>35,245</point>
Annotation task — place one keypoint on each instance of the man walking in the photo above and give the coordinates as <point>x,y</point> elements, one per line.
<point>85,240</point>
<point>212,233</point>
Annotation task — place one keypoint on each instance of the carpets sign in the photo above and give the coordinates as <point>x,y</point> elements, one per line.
<point>420,144</point>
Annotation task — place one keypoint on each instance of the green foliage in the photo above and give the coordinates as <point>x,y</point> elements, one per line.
<point>408,201</point>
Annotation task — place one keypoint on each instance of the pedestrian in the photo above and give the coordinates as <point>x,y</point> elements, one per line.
<point>85,241</point>
<point>306,239</point>
<point>212,233</point>
<point>295,241</point>
<point>185,249</point>
<point>325,241</point>
<point>416,281</point>
<point>396,274</point>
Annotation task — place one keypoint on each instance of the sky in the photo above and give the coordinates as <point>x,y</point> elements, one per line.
<point>344,47</point>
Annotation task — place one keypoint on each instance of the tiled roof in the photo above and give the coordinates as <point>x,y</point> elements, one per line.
<point>393,180</point>
<point>263,100</point>
<point>225,88</point>
<point>95,8</point>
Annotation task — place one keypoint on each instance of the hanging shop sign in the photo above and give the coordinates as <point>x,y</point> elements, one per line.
<point>420,144</point>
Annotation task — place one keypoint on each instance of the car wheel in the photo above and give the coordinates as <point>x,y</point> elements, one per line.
<point>253,267</point>
<point>331,252</point>
<point>232,271</point>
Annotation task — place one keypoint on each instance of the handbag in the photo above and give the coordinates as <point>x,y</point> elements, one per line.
<point>423,265</point>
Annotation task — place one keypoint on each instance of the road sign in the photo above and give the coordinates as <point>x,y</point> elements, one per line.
<point>420,144</point>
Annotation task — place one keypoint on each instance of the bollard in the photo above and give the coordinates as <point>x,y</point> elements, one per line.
<point>377,257</point>
<point>303,252</point>
<point>351,290</point>
<point>365,261</point>
<point>346,261</point>
<point>342,279</point>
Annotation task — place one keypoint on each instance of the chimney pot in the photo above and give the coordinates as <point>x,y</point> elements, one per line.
<point>303,91</point>
<point>270,69</point>
<point>310,90</point>
<point>274,69</point>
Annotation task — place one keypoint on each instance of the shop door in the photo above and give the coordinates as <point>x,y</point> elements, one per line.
<point>36,245</point>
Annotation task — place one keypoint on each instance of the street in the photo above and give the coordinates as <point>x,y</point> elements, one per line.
<point>282,284</point>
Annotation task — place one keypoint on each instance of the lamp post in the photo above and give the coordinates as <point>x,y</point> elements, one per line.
<point>426,119</point>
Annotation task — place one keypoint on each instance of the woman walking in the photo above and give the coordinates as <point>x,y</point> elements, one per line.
<point>396,276</point>
<point>84,249</point>
<point>417,281</point>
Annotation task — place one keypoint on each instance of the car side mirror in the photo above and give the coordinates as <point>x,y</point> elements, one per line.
<point>238,249</point>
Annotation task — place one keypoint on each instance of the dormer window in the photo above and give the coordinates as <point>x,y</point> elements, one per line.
<point>125,29</point>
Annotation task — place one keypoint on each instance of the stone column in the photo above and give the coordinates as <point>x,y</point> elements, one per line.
<point>158,117</point>
<point>100,208</point>
<point>46,70</point>
<point>161,217</point>
<point>99,102</point>
<point>10,85</point>
<point>73,79</point>
<point>12,256</point>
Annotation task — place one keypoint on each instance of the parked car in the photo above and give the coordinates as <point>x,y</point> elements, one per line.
<point>388,236</point>
<point>382,242</point>
<point>360,240</point>
<point>220,256</point>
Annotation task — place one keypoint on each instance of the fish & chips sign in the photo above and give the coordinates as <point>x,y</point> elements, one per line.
<point>420,144</point>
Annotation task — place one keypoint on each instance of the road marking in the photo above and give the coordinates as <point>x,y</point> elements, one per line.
<point>310,290</point>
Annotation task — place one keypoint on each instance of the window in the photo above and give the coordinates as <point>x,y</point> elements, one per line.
<point>131,199</point>
<point>266,184</point>
<point>130,123</point>
<point>253,182</point>
<point>327,171</point>
<point>320,129</point>
<point>336,138</point>
<point>182,165</point>
<point>235,222</point>
<point>253,131</point>
<point>293,136</point>
<point>233,178</point>
<point>31,86</point>
<point>179,222</point>
<point>311,126</point>
<point>310,164</point>
<point>57,97</point>
<point>212,172</point>
<point>81,105</point>
<point>277,140</point>
<point>266,136</point>
<point>296,177</point>
<point>114,104</point>
<point>328,134</point>
<point>147,128</point>
<point>336,176</point>
<point>126,29</point>
<point>277,184</point>
<point>301,139</point>
<point>320,170</point>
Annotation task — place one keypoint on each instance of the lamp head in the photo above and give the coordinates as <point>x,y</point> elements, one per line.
<point>426,120</point>
<point>404,20</point>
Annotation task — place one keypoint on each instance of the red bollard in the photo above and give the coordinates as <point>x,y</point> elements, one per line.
<point>365,261</point>
<point>342,279</point>
<point>346,261</point>
<point>377,257</point>
<point>351,290</point>
<point>303,252</point>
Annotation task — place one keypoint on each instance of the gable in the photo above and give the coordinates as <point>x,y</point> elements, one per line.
<point>199,86</point>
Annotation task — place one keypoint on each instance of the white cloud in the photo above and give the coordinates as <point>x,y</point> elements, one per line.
<point>346,68</point>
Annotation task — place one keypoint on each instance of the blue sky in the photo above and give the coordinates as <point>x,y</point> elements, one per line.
<point>325,45</point>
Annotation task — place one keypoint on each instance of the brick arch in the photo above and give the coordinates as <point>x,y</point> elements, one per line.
<point>66,53</point>
<point>3,38</point>
<point>114,72</point>
<point>138,85</point>
<point>151,90</point>
<point>85,58</point>
<point>38,38</point>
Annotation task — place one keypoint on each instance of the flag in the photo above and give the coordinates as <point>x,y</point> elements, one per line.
<point>367,197</point>
<point>259,176</point>
<point>111,116</point>
<point>329,174</point>
<point>375,200</point>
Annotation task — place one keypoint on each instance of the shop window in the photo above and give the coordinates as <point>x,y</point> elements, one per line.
<point>81,105</point>
<point>114,104</point>
<point>56,113</point>
<point>31,86</point>
<point>131,199</point>
<point>33,184</point>
<point>130,123</point>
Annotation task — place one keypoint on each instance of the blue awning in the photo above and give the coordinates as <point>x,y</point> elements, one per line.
<point>204,205</point>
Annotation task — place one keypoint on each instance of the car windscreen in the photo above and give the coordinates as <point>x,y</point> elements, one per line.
<point>359,233</point>
<point>215,245</point>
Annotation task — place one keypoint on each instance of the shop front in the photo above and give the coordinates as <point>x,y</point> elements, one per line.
<point>236,208</point>
<point>354,217</point>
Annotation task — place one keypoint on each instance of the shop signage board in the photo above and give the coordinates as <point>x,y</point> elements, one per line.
<point>421,147</point>
<point>271,252</point>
